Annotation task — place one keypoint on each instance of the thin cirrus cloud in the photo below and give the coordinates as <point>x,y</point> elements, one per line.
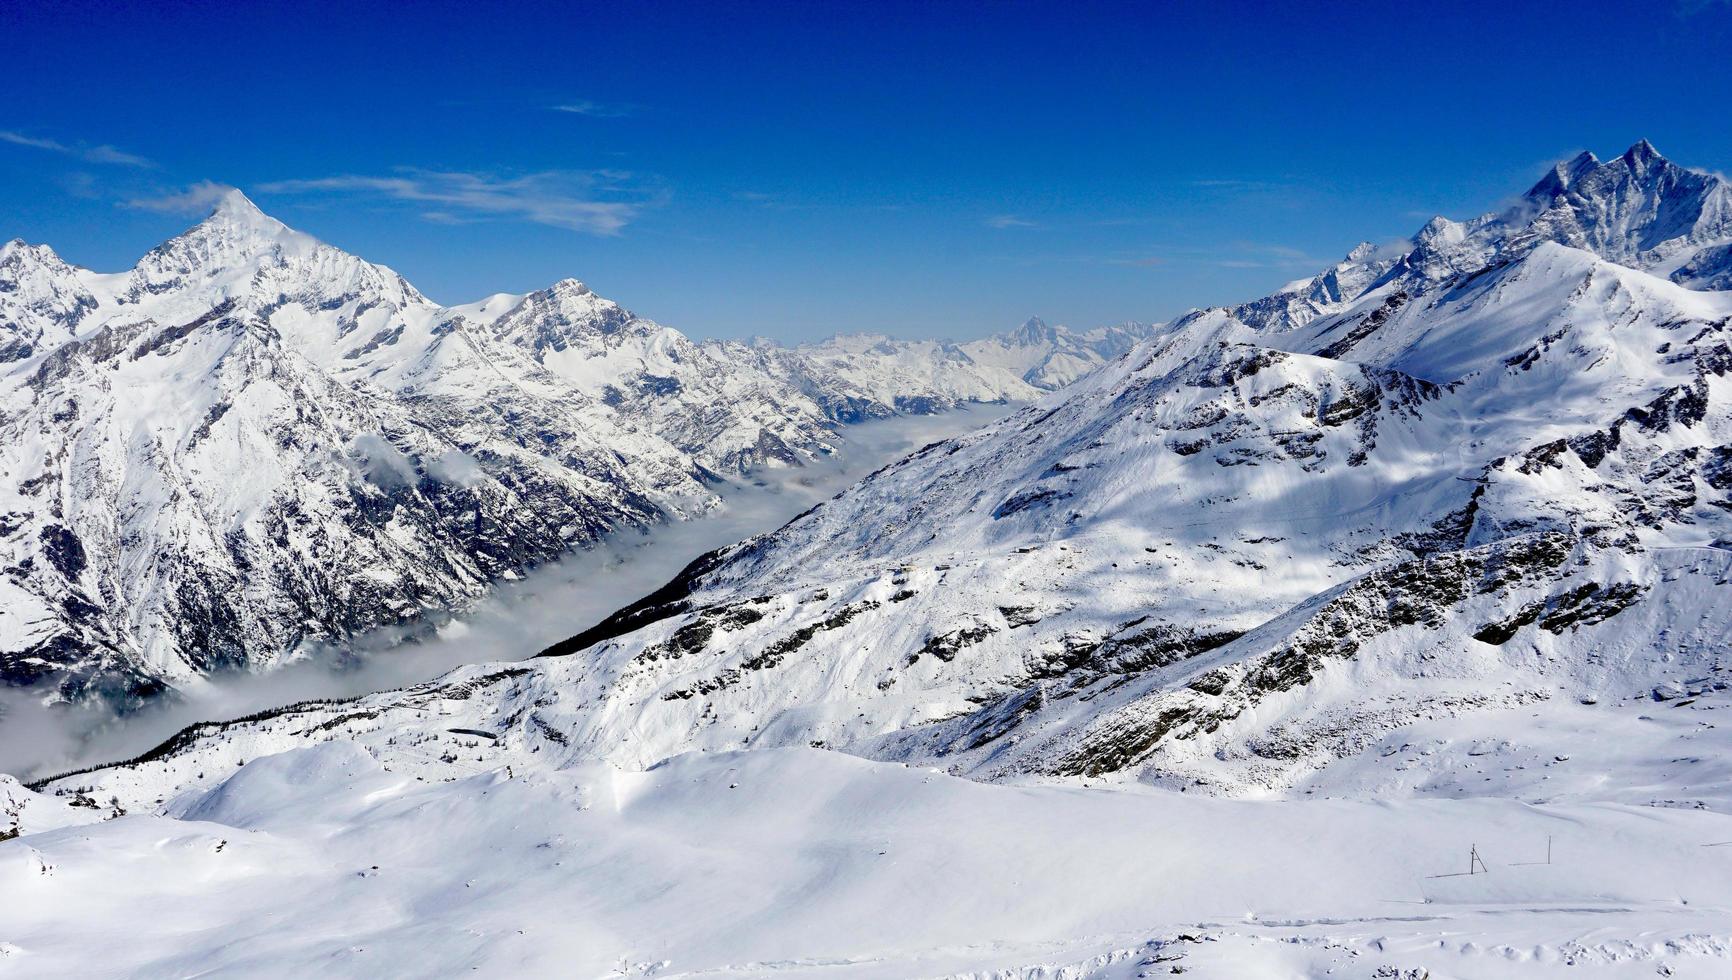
<point>90,153</point>
<point>599,202</point>
<point>1236,184</point>
<point>1258,255</point>
<point>1008,221</point>
<point>196,199</point>
<point>594,110</point>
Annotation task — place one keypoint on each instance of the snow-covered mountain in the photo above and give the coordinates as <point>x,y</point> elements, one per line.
<point>1253,546</point>
<point>252,438</point>
<point>1439,526</point>
<point>926,375</point>
<point>1639,210</point>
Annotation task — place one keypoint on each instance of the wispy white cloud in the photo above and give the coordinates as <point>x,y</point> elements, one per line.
<point>1232,184</point>
<point>197,199</point>
<point>600,202</point>
<point>1009,221</point>
<point>1230,255</point>
<point>1262,255</point>
<point>1280,252</point>
<point>81,183</point>
<point>89,152</point>
<point>594,110</point>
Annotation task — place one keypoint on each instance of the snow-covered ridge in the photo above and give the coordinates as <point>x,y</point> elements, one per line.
<point>1639,210</point>
<point>1236,558</point>
<point>253,438</point>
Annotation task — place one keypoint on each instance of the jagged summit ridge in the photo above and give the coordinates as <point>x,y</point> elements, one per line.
<point>1638,209</point>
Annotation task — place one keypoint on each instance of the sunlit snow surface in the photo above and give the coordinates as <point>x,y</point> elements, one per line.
<point>803,863</point>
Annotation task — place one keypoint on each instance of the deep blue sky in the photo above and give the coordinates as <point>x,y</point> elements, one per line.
<point>795,169</point>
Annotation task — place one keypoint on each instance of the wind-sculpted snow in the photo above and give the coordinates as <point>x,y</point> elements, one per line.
<point>800,863</point>
<point>253,439</point>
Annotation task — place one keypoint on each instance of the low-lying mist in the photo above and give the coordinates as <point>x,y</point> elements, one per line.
<point>515,621</point>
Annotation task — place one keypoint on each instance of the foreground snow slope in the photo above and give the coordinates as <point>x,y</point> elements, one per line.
<point>253,439</point>
<point>802,863</point>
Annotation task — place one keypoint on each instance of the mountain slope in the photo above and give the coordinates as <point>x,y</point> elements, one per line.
<point>1238,556</point>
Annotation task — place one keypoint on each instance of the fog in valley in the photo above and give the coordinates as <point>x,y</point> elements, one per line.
<point>516,621</point>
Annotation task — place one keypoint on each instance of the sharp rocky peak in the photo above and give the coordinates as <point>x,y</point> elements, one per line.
<point>1034,331</point>
<point>1642,154</point>
<point>554,316</point>
<point>573,295</point>
<point>235,205</point>
<point>570,287</point>
<point>1563,176</point>
<point>18,251</point>
<point>237,218</point>
<point>235,232</point>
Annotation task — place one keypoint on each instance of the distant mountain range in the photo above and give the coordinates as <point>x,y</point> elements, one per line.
<point>252,438</point>
<point>1483,473</point>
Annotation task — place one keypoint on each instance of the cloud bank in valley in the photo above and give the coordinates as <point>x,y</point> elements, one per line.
<point>516,621</point>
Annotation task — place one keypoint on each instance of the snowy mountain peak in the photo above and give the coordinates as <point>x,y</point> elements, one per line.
<point>562,315</point>
<point>1033,331</point>
<point>1361,252</point>
<point>236,206</point>
<point>18,251</point>
<point>42,300</point>
<point>236,220</point>
<point>1440,231</point>
<point>1561,177</point>
<point>1638,210</point>
<point>1641,154</point>
<point>238,252</point>
<point>228,246</point>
